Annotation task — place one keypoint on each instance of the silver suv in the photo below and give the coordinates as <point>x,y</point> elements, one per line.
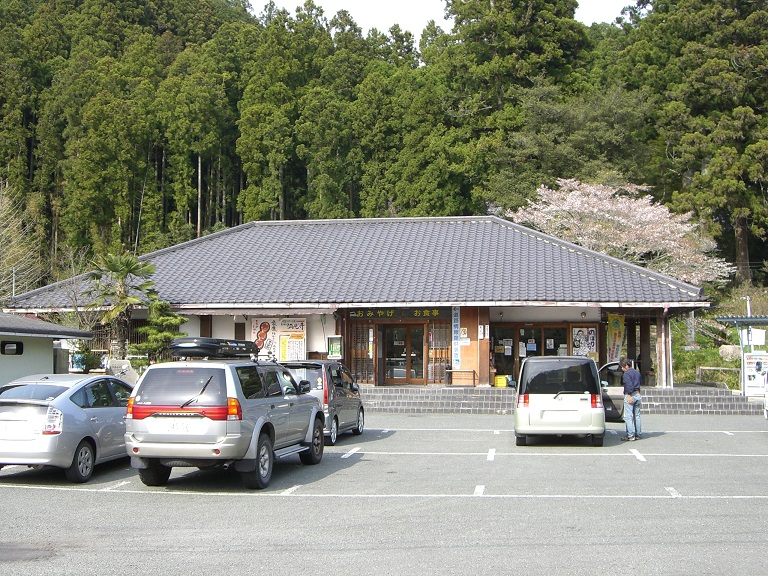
<point>220,412</point>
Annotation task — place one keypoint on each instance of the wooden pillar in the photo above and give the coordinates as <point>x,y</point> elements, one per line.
<point>484,348</point>
<point>646,367</point>
<point>630,325</point>
<point>664,376</point>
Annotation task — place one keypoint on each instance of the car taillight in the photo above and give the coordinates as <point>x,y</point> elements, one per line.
<point>230,411</point>
<point>54,421</point>
<point>234,410</point>
<point>129,410</point>
<point>325,396</point>
<point>597,401</point>
<point>522,400</point>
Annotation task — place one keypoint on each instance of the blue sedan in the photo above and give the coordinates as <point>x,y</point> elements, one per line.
<point>69,421</point>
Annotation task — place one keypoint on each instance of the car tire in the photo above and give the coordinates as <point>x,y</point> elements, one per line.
<point>357,430</point>
<point>155,474</point>
<point>597,439</point>
<point>334,434</point>
<point>81,469</point>
<point>260,476</point>
<point>315,452</point>
<point>520,440</point>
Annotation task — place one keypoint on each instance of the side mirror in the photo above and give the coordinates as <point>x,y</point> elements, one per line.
<point>355,387</point>
<point>304,387</point>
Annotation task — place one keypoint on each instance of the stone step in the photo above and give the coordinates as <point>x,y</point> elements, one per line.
<point>489,400</point>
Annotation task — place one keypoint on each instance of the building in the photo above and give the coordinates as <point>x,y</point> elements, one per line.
<point>27,347</point>
<point>431,301</point>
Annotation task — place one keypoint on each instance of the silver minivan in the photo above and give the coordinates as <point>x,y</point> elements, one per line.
<point>332,383</point>
<point>559,395</point>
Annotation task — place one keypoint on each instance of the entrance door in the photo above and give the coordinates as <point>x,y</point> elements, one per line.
<point>404,354</point>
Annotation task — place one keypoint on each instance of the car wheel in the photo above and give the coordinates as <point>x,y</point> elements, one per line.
<point>315,452</point>
<point>265,460</point>
<point>155,474</point>
<point>334,432</point>
<point>360,423</point>
<point>597,439</point>
<point>520,440</point>
<point>81,468</point>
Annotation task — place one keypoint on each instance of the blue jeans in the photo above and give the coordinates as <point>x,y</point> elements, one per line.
<point>632,416</point>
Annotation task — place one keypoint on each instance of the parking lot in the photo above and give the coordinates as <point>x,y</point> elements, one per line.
<point>420,494</point>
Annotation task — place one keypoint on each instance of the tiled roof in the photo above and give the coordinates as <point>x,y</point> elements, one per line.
<point>451,260</point>
<point>12,325</point>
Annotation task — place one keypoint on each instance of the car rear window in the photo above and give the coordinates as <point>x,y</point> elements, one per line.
<point>312,374</point>
<point>574,376</point>
<point>202,386</point>
<point>31,392</point>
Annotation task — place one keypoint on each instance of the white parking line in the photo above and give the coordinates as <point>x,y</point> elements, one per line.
<point>433,496</point>
<point>291,490</point>
<point>587,453</point>
<point>727,433</point>
<point>118,485</point>
<point>491,454</point>
<point>353,451</point>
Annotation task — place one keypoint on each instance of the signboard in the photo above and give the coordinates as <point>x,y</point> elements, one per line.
<point>335,348</point>
<point>752,337</point>
<point>292,347</point>
<point>280,338</point>
<point>755,369</point>
<point>456,337</point>
<point>388,313</point>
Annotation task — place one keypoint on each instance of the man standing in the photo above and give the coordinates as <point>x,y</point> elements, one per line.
<point>632,400</point>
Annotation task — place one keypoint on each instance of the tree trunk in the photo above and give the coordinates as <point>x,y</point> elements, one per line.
<point>122,328</point>
<point>743,274</point>
<point>199,195</point>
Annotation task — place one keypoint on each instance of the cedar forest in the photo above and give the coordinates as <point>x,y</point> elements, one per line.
<point>132,125</point>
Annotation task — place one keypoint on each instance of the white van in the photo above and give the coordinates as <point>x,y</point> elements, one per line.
<point>559,395</point>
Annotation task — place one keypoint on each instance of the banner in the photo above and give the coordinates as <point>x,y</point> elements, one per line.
<point>615,337</point>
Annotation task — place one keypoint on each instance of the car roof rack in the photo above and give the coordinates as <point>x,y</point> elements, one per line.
<point>199,347</point>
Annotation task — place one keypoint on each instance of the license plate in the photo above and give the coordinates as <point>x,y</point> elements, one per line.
<point>12,429</point>
<point>179,426</point>
<point>560,416</point>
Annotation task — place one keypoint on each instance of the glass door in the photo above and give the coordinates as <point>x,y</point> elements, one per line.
<point>404,354</point>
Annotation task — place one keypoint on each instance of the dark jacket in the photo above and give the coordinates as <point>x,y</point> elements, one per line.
<point>631,380</point>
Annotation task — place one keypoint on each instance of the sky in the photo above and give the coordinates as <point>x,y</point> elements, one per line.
<point>413,15</point>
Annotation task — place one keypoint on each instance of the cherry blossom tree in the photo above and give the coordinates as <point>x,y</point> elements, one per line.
<point>625,224</point>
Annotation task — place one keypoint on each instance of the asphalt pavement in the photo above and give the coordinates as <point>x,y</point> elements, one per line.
<point>419,494</point>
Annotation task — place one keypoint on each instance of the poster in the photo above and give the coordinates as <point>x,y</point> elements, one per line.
<point>292,347</point>
<point>264,335</point>
<point>584,341</point>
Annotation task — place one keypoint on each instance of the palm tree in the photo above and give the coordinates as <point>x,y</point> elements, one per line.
<point>120,282</point>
